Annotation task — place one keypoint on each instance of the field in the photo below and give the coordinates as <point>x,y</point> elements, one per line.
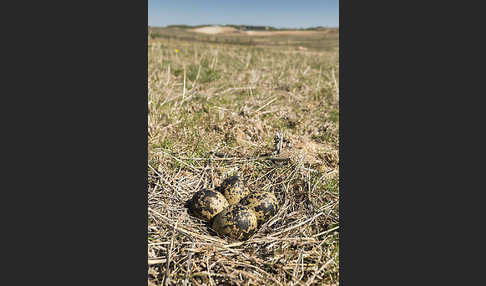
<point>216,102</point>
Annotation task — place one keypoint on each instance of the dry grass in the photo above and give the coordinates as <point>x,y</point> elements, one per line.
<point>325,39</point>
<point>213,111</point>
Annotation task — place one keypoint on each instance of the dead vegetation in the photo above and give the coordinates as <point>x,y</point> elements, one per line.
<point>214,111</point>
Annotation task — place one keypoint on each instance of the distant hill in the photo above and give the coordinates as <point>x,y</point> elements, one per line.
<point>246,27</point>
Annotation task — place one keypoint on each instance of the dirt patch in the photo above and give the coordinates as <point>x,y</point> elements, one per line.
<point>212,30</point>
<point>215,30</point>
<point>274,33</point>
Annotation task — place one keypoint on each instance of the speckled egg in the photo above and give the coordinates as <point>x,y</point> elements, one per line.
<point>206,204</point>
<point>234,189</point>
<point>264,204</point>
<point>236,221</point>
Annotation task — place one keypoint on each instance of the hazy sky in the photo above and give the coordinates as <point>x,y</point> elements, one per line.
<point>281,13</point>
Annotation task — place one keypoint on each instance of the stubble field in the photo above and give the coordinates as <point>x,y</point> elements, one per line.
<point>215,104</point>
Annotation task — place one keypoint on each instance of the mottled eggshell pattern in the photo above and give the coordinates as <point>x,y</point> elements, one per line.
<point>234,189</point>
<point>236,221</point>
<point>264,204</point>
<point>206,204</point>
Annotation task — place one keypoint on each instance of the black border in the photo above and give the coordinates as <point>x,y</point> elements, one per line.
<point>401,98</point>
<point>77,76</point>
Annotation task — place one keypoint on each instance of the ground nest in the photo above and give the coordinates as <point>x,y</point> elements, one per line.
<point>298,246</point>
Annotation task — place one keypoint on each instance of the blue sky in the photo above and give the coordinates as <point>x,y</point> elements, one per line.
<point>283,13</point>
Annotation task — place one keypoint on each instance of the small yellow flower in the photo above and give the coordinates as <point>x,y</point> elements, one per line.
<point>176,50</point>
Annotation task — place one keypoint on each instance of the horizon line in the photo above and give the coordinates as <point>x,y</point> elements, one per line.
<point>276,27</point>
